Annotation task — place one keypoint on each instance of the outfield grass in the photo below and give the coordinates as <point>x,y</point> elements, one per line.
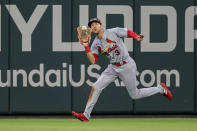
<point>105,124</point>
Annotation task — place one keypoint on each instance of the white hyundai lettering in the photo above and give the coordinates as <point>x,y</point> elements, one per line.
<point>190,32</point>
<point>26,28</point>
<point>170,44</point>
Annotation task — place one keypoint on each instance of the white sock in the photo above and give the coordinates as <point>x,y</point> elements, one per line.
<point>161,88</point>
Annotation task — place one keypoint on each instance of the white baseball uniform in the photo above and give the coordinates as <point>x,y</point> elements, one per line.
<point>121,65</point>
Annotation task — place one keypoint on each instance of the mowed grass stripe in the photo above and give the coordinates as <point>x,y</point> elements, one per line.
<point>99,124</point>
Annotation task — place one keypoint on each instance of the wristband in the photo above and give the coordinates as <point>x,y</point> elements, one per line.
<point>87,49</point>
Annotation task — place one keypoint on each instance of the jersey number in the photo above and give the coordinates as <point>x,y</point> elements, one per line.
<point>117,52</point>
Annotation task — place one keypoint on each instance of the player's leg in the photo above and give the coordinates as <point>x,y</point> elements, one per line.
<point>108,76</point>
<point>128,74</point>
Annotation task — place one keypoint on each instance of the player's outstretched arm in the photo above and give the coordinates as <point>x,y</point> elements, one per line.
<point>90,55</point>
<point>135,35</point>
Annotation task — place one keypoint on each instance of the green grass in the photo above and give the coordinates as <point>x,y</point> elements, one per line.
<point>105,124</point>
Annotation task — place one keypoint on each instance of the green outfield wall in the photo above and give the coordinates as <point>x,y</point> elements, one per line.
<point>44,69</point>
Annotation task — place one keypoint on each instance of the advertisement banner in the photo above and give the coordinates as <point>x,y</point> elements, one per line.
<point>165,55</point>
<point>44,68</point>
<point>38,64</point>
<point>4,57</point>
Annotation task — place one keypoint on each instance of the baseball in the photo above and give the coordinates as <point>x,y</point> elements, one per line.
<point>83,27</point>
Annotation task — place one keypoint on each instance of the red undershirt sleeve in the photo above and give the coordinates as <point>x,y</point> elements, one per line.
<point>95,57</point>
<point>131,34</point>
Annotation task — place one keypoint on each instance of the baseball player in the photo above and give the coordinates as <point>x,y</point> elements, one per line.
<point>109,42</point>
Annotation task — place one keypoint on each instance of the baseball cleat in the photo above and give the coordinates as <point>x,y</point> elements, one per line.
<point>166,92</point>
<point>80,116</point>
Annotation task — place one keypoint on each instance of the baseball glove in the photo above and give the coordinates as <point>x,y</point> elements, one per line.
<point>84,34</point>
